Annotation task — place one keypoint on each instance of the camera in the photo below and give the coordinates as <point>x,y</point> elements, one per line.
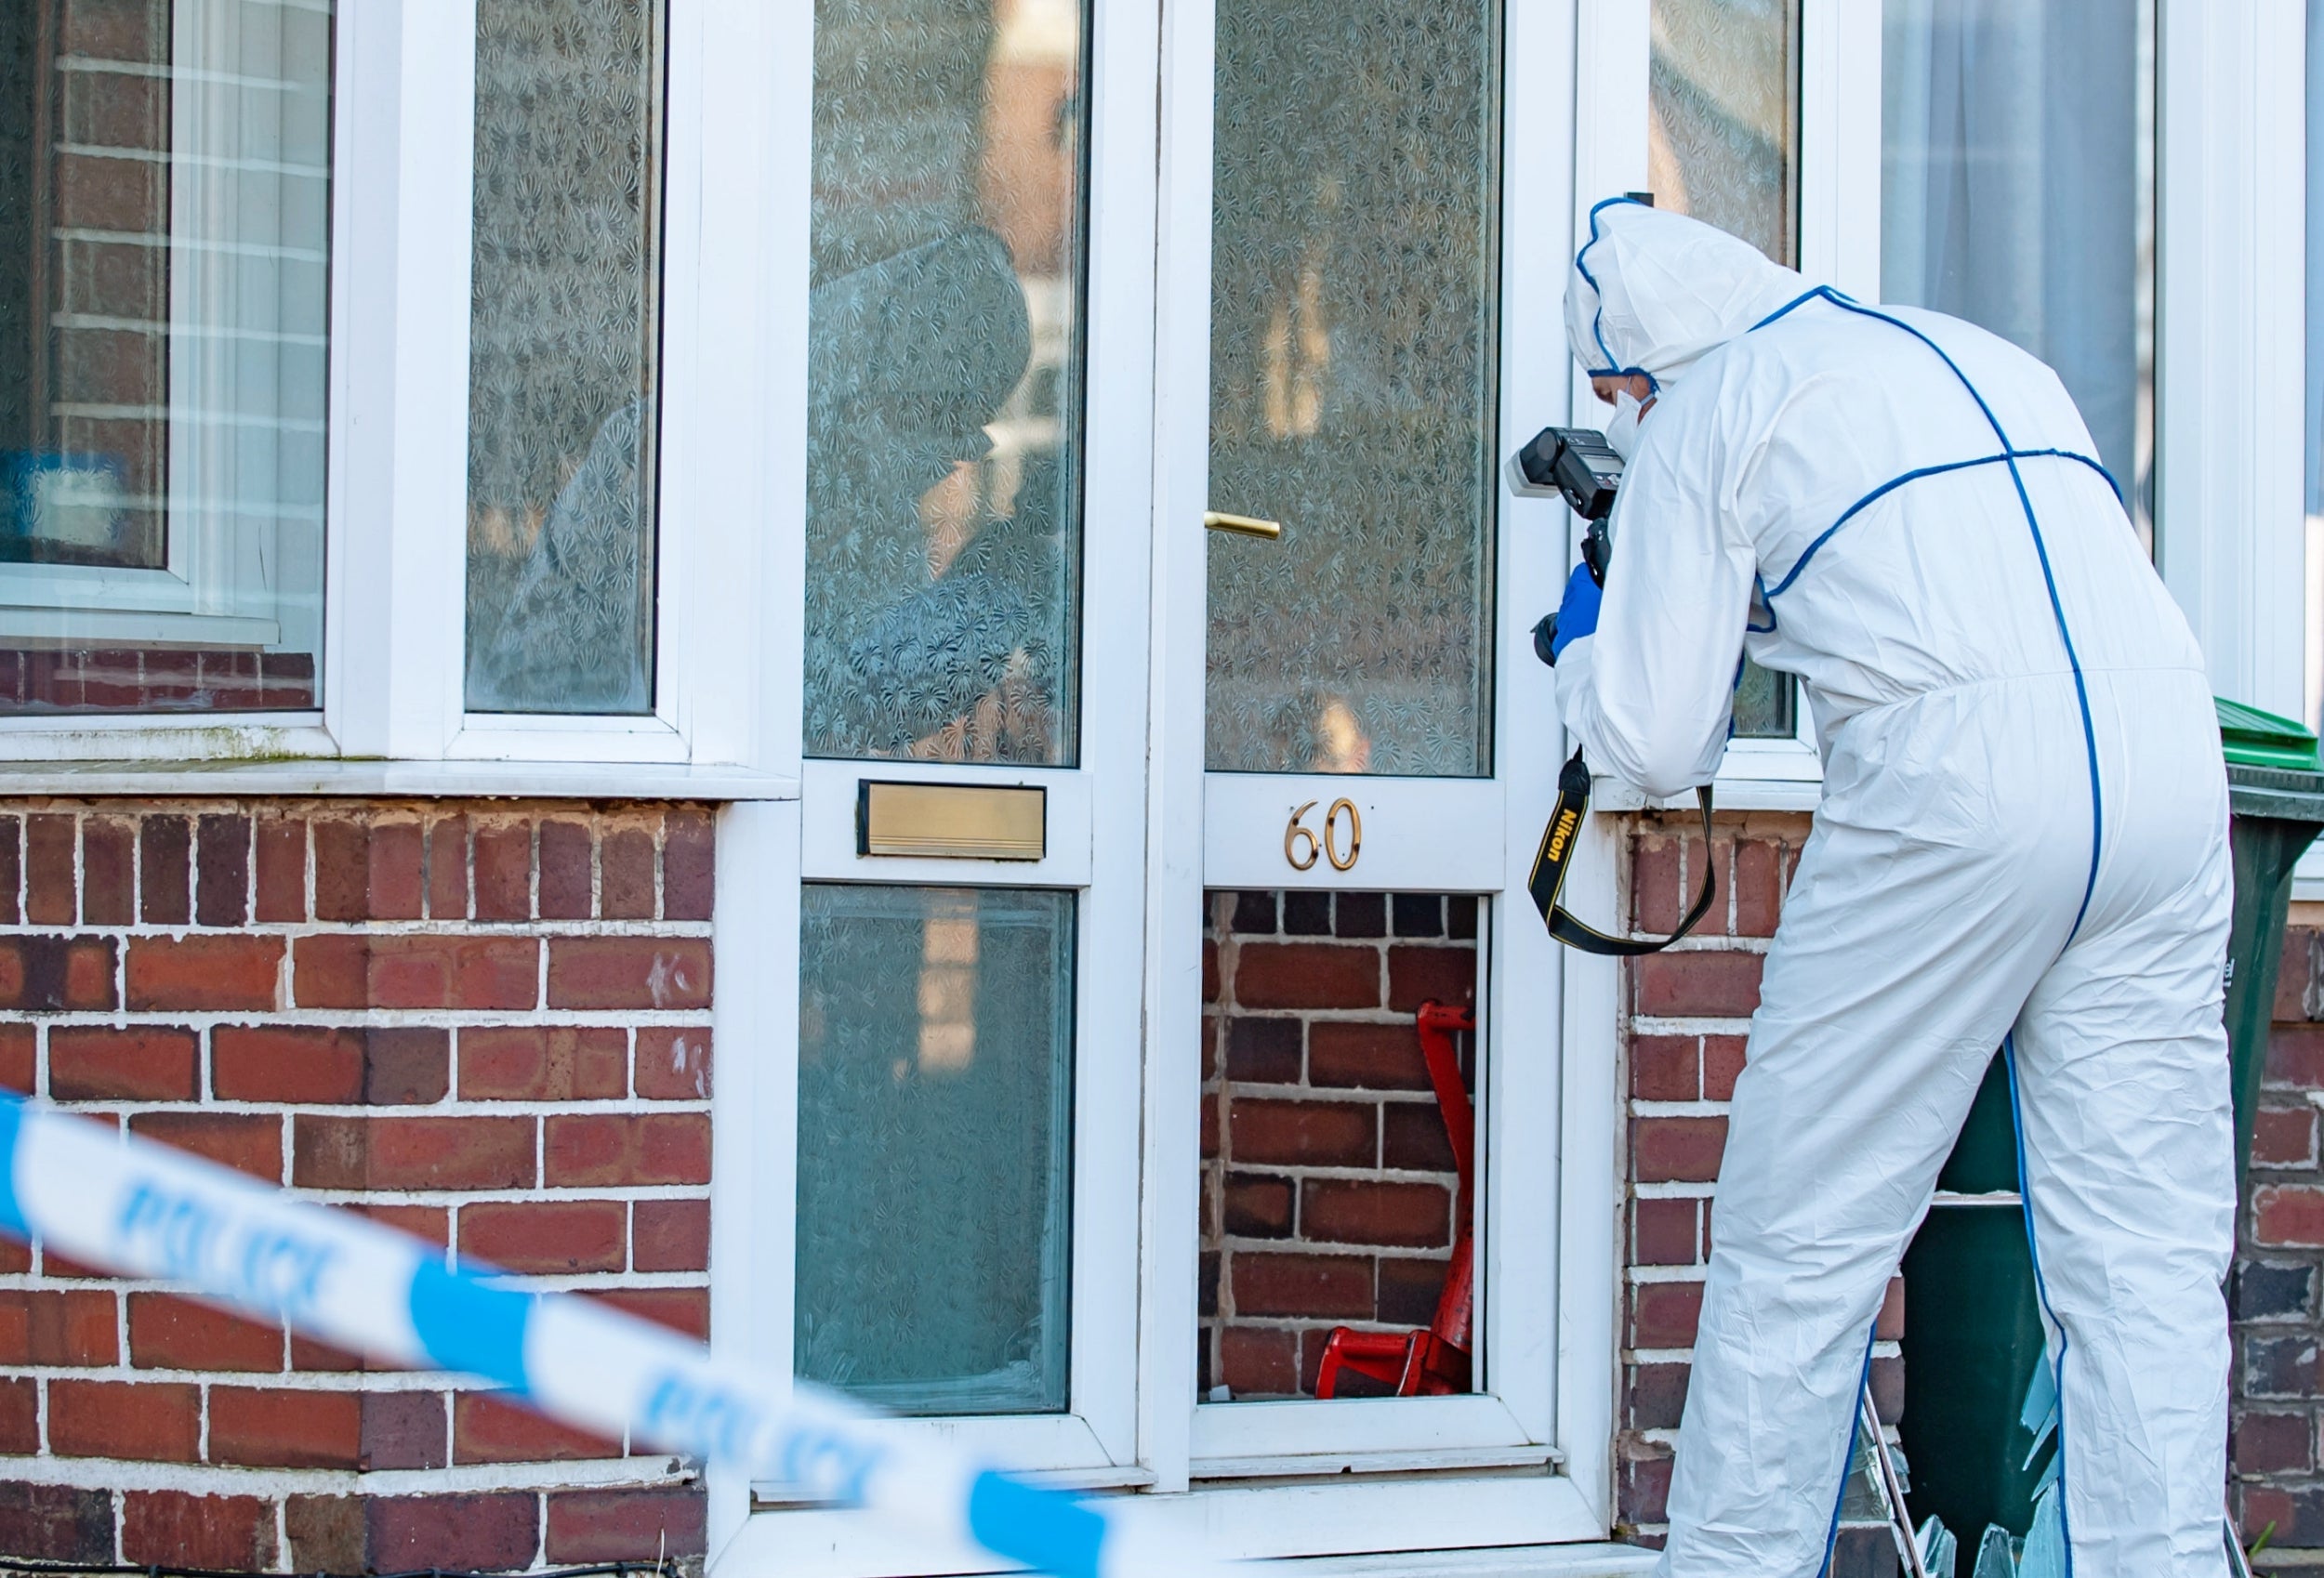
<point>1578,465</point>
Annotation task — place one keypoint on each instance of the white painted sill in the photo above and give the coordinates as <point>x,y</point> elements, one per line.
<point>1614,797</point>
<point>414,780</point>
<point>1520,1561</point>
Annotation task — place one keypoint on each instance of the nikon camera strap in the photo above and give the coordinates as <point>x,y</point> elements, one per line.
<point>1557,853</point>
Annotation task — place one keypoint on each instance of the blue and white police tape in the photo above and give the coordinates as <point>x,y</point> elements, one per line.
<point>141,1209</point>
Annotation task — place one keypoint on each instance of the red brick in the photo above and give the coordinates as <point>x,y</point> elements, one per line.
<point>1645,1490</point>
<point>11,874</point>
<point>2272,1444</point>
<point>330,972</point>
<point>546,1235</point>
<point>1699,985</point>
<point>1315,1134</point>
<point>342,870</point>
<point>307,1064</point>
<point>1412,1138</point>
<point>155,1420</point>
<point>1259,1361</point>
<point>49,896</point>
<point>625,860</point>
<point>1664,1068</point>
<point>247,1142</point>
<point>108,872</point>
<point>141,1063</point>
<point>1664,1314</point>
<point>165,871</point>
<point>329,1152</point>
<point>203,972</point>
<point>48,975</point>
<point>1888,1389</point>
<point>1666,1233</point>
<point>1258,1205</point>
<point>262,1427</point>
<point>1723,1064</point>
<point>1655,1395</point>
<point>565,878</point>
<point>2295,965</point>
<point>1653,884</point>
<point>681,1309</point>
<point>447,868</point>
<point>279,848</point>
<point>590,1149</point>
<point>483,1531</point>
<point>1719,860</point>
<point>1411,1216</point>
<point>488,1428</point>
<point>56,1522</point>
<point>1210,970</point>
<point>1677,1149</point>
<point>1319,1287</point>
<point>628,972</point>
<point>394,878</point>
<point>18,1058</point>
<point>431,1222</point>
<point>669,1235</point>
<point>626,1525</point>
<point>542,1063</point>
<point>1421,975</point>
<point>2289,1215</point>
<point>327,1533</point>
<point>19,1425</point>
<point>673,1065</point>
<point>406,1065</point>
<point>403,1430</point>
<point>1307,974</point>
<point>221,887</point>
<point>1365,1057</point>
<point>689,867</point>
<point>2281,1137</point>
<point>503,871</point>
<point>454,972</point>
<point>1758,887</point>
<point>1409,1289</point>
<point>170,1333</point>
<point>233,1534</point>
<point>39,1327</point>
<point>1890,1326</point>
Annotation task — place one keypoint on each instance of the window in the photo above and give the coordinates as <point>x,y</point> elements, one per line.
<point>2312,448</point>
<point>2017,191</point>
<point>1722,145</point>
<point>564,341</point>
<point>165,250</point>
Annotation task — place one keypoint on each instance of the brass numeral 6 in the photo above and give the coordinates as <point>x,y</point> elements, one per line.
<point>1302,847</point>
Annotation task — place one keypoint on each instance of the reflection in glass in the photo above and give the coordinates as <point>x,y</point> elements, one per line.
<point>563,330</point>
<point>165,250</point>
<point>935,1057</point>
<point>1352,386</point>
<point>2017,191</point>
<point>1723,146</point>
<point>944,404</point>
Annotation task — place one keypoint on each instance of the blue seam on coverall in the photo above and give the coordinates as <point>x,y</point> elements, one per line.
<point>1597,313</point>
<point>2041,551</point>
<point>1856,1432</point>
<point>2042,1288</point>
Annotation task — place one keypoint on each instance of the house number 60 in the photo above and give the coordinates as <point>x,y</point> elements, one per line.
<point>1301,844</point>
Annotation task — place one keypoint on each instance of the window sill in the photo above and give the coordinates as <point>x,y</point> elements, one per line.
<point>1520,1561</point>
<point>1612,795</point>
<point>579,781</point>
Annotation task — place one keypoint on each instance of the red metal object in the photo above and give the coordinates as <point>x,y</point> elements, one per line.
<point>1432,1361</point>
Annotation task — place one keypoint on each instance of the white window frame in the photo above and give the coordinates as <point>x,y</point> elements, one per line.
<point>391,660</point>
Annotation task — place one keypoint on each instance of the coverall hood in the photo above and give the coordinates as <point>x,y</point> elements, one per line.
<point>1651,292</point>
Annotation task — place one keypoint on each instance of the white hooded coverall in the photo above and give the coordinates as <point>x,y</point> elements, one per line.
<point>2023,835</point>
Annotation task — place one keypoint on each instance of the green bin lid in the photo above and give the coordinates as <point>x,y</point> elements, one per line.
<point>2253,738</point>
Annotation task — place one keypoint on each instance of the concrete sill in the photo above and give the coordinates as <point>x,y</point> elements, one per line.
<point>446,779</point>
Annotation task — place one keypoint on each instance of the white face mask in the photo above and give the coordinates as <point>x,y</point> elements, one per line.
<point>1621,431</point>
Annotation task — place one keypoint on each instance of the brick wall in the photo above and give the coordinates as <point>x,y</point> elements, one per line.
<point>2278,1317</point>
<point>1687,1016</point>
<point>487,1026</point>
<point>1329,1187</point>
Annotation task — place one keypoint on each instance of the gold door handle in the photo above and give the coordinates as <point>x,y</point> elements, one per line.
<point>1241,525</point>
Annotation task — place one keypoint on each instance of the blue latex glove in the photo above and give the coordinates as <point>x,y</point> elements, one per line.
<point>1578,615</point>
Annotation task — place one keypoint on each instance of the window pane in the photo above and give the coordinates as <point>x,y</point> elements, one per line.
<point>1722,145</point>
<point>1331,1198</point>
<point>1354,191</point>
<point>944,385</point>
<point>2017,192</point>
<point>164,239</point>
<point>935,1090</point>
<point>2315,458</point>
<point>563,335</point>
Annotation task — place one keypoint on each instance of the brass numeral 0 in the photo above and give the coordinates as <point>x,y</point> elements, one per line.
<point>1302,847</point>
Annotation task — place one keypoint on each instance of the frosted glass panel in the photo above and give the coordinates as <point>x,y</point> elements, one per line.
<point>1352,386</point>
<point>935,1057</point>
<point>562,335</point>
<point>944,380</point>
